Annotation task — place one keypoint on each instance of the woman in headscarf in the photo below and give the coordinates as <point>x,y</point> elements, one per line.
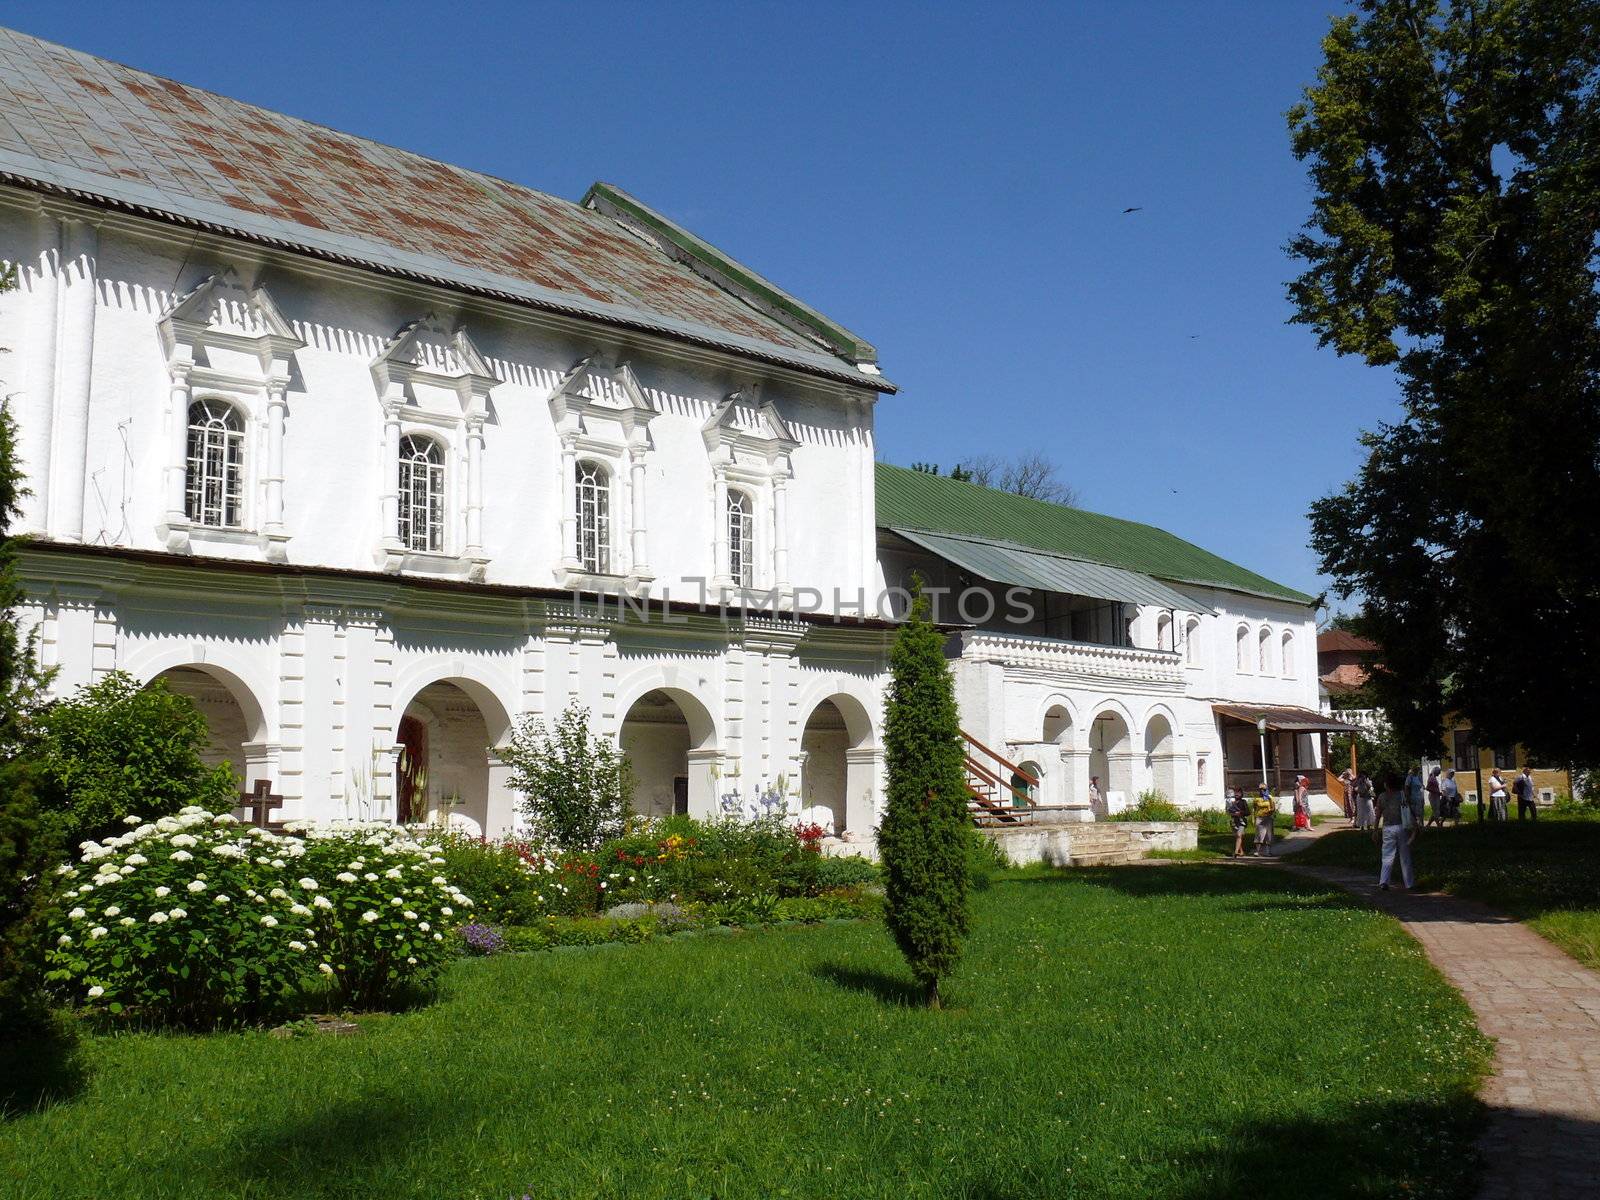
<point>1302,802</point>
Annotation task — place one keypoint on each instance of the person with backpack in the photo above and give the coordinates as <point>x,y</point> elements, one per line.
<point>1527,797</point>
<point>1264,808</point>
<point>1239,814</point>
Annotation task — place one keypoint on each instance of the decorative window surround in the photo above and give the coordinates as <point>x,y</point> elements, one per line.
<point>432,382</point>
<point>750,447</point>
<point>230,342</point>
<point>602,414</point>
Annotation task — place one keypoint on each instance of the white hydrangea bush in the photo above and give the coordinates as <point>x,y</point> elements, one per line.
<point>182,919</point>
<point>195,919</point>
<point>385,910</point>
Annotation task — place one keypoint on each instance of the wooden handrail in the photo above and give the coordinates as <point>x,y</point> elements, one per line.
<point>1005,762</point>
<point>994,781</point>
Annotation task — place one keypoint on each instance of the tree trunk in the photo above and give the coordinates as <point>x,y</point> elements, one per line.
<point>932,995</point>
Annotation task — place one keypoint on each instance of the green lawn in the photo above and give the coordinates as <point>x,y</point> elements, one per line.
<point>1546,873</point>
<point>1187,1032</point>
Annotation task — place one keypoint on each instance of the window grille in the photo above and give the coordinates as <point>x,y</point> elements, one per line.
<point>594,518</point>
<point>214,482</point>
<point>741,539</point>
<point>421,494</point>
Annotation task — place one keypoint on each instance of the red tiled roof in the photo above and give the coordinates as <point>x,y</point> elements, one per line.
<point>1334,640</point>
<point>91,119</point>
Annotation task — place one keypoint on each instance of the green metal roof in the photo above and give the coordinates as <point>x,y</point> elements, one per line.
<point>936,504</point>
<point>1020,566</point>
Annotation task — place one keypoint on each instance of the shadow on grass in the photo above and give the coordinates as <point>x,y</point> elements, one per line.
<point>42,1069</point>
<point>891,989</point>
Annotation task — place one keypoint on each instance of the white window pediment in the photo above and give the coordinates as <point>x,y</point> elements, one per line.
<point>602,419</point>
<point>229,344</point>
<point>433,386</point>
<point>749,445</point>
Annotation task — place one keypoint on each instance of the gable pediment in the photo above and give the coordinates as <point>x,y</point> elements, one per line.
<point>230,329</point>
<point>596,393</point>
<point>426,359</point>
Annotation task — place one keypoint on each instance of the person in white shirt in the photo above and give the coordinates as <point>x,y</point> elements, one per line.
<point>1497,795</point>
<point>1450,794</point>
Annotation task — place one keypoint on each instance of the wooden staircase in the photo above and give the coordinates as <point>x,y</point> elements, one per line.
<point>999,792</point>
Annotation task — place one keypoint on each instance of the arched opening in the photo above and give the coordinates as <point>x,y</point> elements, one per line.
<point>1020,786</point>
<point>1288,653</point>
<point>1191,641</point>
<point>1158,756</point>
<point>1164,632</point>
<point>669,741</point>
<point>1241,646</point>
<point>1057,724</point>
<point>443,769</point>
<point>1111,761</point>
<point>838,766</point>
<point>234,721</point>
<point>1265,665</point>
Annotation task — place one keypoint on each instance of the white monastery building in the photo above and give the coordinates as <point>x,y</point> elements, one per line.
<point>373,456</point>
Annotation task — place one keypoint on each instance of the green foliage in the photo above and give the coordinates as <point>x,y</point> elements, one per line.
<point>1377,754</point>
<point>845,872</point>
<point>194,920</point>
<point>925,837</point>
<point>114,748</point>
<point>29,845</point>
<point>985,860</point>
<point>1152,805</point>
<point>1453,151</point>
<point>576,783</point>
<point>503,886</point>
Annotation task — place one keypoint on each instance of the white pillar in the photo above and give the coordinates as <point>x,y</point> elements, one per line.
<point>703,799</point>
<point>75,350</point>
<point>862,768</point>
<point>277,410</point>
<point>474,486</point>
<point>177,445</point>
<point>36,420</point>
<point>637,503</point>
<point>391,468</point>
<point>569,498</point>
<point>780,532</point>
<point>719,528</point>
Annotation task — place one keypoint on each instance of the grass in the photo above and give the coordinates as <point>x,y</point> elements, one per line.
<point>1546,873</point>
<point>1182,1032</point>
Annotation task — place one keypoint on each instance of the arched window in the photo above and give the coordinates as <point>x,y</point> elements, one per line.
<point>1265,648</point>
<point>1164,632</point>
<point>593,503</point>
<point>421,494</point>
<point>1200,765</point>
<point>1288,652</point>
<point>741,538</point>
<point>1242,648</point>
<point>214,485</point>
<point>1191,641</point>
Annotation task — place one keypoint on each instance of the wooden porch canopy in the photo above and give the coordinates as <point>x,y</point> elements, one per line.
<point>1284,718</point>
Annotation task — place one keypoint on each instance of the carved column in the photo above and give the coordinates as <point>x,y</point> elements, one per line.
<point>780,533</point>
<point>569,496</point>
<point>636,497</point>
<point>720,575</point>
<point>475,486</point>
<point>74,374</point>
<point>391,468</point>
<point>177,519</point>
<point>273,527</point>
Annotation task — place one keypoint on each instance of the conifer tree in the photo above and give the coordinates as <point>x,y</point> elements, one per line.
<point>27,848</point>
<point>923,838</point>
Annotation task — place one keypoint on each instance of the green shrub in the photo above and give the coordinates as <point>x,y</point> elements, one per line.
<point>115,748</point>
<point>984,860</point>
<point>1151,806</point>
<point>849,871</point>
<point>186,921</point>
<point>504,886</point>
<point>381,909</point>
<point>576,784</point>
<point>833,905</point>
<point>925,835</point>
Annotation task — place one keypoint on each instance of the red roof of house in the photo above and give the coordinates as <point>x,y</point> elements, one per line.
<point>1331,641</point>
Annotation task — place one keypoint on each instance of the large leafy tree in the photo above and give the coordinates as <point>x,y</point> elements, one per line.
<point>923,839</point>
<point>1454,151</point>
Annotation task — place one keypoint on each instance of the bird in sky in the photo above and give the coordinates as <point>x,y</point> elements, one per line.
<point>1135,208</point>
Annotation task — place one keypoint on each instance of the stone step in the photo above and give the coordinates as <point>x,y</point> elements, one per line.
<point>1106,858</point>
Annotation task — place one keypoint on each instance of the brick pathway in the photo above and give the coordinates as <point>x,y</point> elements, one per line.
<point>1542,1140</point>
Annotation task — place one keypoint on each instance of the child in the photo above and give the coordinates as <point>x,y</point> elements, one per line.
<point>1239,813</point>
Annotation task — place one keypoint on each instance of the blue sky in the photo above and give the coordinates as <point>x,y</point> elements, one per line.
<point>949,182</point>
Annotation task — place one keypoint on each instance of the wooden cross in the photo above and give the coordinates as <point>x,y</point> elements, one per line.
<point>261,802</point>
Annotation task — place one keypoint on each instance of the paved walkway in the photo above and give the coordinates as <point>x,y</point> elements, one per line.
<point>1542,1140</point>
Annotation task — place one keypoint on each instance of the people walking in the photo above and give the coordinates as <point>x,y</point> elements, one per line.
<point>1347,782</point>
<point>1097,802</point>
<point>1364,817</point>
<point>1415,789</point>
<point>1450,791</point>
<point>1435,799</point>
<point>1497,796</point>
<point>1527,801</point>
<point>1397,829</point>
<point>1302,802</point>
<point>1264,808</point>
<point>1239,815</point>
